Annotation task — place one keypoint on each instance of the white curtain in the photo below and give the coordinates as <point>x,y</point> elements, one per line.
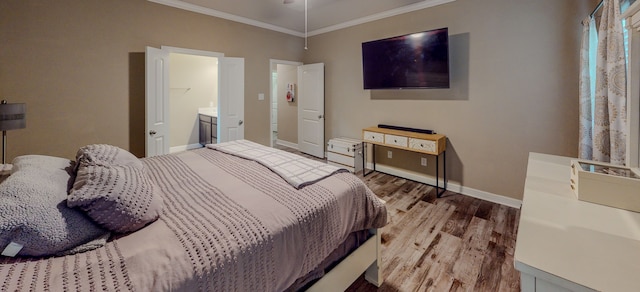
<point>585,149</point>
<point>609,116</point>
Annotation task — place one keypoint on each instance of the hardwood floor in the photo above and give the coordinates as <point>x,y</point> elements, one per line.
<point>452,243</point>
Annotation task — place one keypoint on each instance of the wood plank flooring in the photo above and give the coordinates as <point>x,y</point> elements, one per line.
<point>452,243</point>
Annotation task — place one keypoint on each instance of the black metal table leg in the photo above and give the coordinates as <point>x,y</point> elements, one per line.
<point>438,176</point>
<point>444,169</point>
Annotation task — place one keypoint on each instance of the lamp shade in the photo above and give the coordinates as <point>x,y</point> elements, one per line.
<point>12,116</point>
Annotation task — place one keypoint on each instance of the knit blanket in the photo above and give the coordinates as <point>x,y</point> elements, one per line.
<point>295,169</point>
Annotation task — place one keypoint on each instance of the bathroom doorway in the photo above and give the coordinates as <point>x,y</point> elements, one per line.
<point>284,112</point>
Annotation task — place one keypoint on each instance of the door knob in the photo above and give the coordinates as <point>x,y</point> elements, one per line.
<point>320,117</point>
<point>152,132</point>
<point>240,122</point>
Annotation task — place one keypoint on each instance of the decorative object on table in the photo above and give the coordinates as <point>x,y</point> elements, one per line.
<point>12,117</point>
<point>606,184</point>
<point>291,92</point>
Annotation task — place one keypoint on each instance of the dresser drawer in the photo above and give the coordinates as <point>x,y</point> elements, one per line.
<point>422,145</point>
<point>395,140</point>
<point>373,137</point>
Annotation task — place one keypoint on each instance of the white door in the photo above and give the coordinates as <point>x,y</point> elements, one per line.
<point>157,99</point>
<point>311,109</point>
<point>231,99</point>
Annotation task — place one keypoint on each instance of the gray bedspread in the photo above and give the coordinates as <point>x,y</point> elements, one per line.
<point>229,224</point>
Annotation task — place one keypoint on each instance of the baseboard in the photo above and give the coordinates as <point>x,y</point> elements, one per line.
<point>287,144</point>
<point>184,147</point>
<point>454,187</point>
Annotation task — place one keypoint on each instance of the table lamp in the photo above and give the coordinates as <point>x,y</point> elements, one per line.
<point>12,117</point>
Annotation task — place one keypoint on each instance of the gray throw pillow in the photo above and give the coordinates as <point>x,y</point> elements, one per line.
<point>33,211</point>
<point>106,155</point>
<point>120,198</point>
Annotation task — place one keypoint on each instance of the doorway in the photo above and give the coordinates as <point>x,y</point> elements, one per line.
<point>193,89</point>
<point>284,113</point>
<point>297,106</point>
<point>229,107</point>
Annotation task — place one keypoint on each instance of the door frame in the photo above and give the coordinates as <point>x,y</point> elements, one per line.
<point>169,50</point>
<point>273,66</point>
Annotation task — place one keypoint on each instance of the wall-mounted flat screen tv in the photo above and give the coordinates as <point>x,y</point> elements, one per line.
<point>417,60</point>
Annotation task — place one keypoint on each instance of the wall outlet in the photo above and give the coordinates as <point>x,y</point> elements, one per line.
<point>423,161</point>
<point>389,154</point>
<point>260,96</point>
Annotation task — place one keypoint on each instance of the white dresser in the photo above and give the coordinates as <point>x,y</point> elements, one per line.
<point>564,244</point>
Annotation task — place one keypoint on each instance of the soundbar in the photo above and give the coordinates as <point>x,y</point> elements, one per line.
<point>423,131</point>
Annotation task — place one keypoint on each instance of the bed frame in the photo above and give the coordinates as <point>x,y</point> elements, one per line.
<point>365,258</point>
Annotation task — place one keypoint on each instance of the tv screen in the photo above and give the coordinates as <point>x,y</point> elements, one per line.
<point>418,60</point>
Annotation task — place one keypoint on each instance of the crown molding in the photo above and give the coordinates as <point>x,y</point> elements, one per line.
<point>378,16</point>
<point>212,12</point>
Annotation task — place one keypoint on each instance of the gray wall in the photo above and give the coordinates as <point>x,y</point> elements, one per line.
<point>514,70</point>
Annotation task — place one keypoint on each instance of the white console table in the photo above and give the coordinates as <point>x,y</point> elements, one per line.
<point>564,244</point>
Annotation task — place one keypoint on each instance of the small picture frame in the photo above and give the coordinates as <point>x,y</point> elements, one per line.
<point>291,92</point>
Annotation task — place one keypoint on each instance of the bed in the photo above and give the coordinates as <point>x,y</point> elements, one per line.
<point>218,221</point>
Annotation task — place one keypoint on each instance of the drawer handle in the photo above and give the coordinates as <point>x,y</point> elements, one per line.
<point>421,145</point>
<point>395,141</point>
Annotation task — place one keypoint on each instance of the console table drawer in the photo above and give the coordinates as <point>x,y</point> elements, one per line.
<point>395,140</point>
<point>374,137</point>
<point>423,145</point>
